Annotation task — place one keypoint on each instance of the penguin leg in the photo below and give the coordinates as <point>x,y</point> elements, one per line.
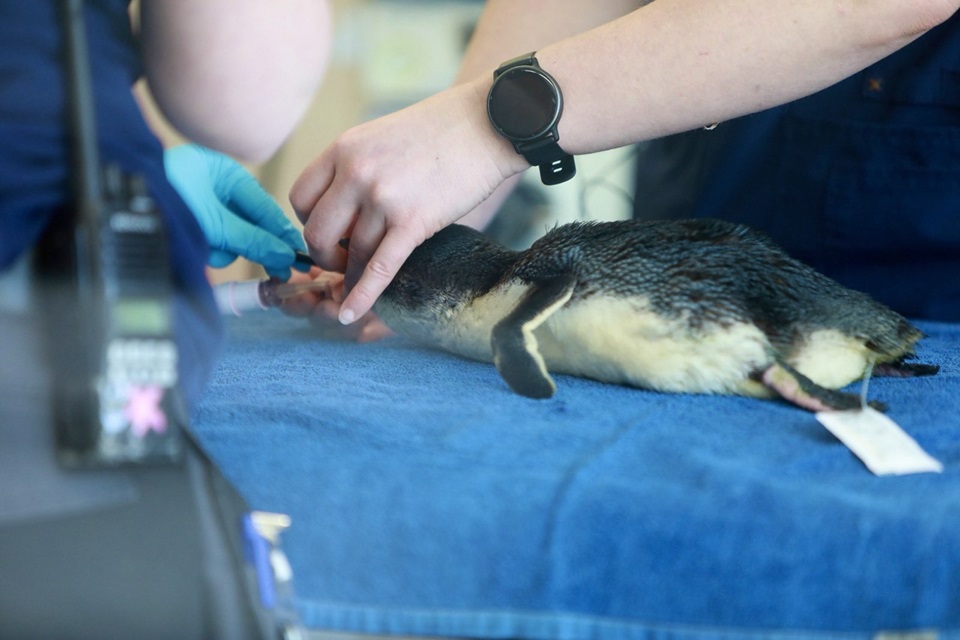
<point>515,351</point>
<point>797,388</point>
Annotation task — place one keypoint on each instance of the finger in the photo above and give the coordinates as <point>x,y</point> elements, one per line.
<point>304,302</point>
<point>324,319</point>
<point>325,312</point>
<point>374,329</point>
<point>280,273</point>
<point>219,258</point>
<point>336,292</point>
<point>256,205</point>
<point>396,247</point>
<point>257,245</point>
<point>302,305</point>
<point>331,219</point>
<point>311,185</point>
<point>360,246</point>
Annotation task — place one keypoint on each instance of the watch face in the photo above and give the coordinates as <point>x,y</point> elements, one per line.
<point>523,103</point>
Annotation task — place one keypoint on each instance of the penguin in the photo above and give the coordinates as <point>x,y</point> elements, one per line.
<point>697,306</point>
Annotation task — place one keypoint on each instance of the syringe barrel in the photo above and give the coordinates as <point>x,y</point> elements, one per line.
<point>238,298</point>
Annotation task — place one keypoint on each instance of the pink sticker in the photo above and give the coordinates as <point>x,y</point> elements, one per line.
<point>143,410</point>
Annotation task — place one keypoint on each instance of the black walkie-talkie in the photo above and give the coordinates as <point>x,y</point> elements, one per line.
<point>104,279</point>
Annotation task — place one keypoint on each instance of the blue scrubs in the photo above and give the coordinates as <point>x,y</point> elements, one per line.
<point>35,154</point>
<point>861,180</point>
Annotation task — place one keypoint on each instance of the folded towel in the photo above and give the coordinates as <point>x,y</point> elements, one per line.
<point>427,498</point>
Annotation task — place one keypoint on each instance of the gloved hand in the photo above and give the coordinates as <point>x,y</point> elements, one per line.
<point>237,216</point>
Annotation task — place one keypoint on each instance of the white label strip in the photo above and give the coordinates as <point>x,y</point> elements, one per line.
<point>879,442</point>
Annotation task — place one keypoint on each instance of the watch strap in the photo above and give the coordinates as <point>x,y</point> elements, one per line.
<point>526,60</point>
<point>555,164</point>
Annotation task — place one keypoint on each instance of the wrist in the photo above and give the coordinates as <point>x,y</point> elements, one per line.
<point>524,106</point>
<point>498,149</point>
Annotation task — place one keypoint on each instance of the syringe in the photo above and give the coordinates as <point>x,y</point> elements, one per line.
<point>237,298</point>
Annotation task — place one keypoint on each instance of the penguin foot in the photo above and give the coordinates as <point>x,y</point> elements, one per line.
<point>795,387</point>
<point>515,351</point>
<point>901,369</point>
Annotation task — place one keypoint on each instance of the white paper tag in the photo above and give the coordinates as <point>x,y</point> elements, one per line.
<point>879,442</point>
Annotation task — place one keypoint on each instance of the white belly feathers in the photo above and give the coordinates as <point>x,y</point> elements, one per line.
<point>620,340</point>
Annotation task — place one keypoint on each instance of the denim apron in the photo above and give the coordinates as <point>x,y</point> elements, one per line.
<point>861,180</point>
<point>35,155</point>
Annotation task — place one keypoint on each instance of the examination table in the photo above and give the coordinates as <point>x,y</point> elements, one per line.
<point>428,499</point>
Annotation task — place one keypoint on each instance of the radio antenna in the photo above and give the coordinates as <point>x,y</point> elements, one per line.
<point>87,185</point>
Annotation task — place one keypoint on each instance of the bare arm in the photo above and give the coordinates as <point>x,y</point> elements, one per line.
<point>675,65</point>
<point>235,75</point>
<point>505,31</point>
<point>669,66</point>
<point>508,28</point>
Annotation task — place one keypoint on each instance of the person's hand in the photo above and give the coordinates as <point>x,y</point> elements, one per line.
<point>322,305</point>
<point>391,183</point>
<point>237,216</point>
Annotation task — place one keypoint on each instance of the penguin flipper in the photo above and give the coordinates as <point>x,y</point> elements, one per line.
<point>795,387</point>
<point>515,351</point>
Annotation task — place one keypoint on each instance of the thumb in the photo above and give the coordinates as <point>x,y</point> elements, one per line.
<point>257,245</point>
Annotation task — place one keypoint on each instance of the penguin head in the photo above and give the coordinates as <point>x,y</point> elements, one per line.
<point>448,270</point>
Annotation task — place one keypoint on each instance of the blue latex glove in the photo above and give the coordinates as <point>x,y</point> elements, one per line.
<point>237,216</point>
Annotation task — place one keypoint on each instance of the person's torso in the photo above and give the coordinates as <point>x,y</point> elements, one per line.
<point>36,152</point>
<point>860,180</point>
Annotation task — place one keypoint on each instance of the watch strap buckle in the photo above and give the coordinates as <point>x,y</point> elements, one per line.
<point>556,165</point>
<point>557,171</point>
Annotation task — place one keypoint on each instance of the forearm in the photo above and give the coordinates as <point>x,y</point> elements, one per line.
<point>235,75</point>
<point>505,30</point>
<point>508,28</point>
<point>675,65</point>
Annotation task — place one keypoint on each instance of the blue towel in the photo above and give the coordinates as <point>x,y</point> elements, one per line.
<point>427,498</point>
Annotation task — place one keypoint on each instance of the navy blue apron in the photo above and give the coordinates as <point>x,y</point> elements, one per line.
<point>35,154</point>
<point>861,180</point>
<point>150,551</point>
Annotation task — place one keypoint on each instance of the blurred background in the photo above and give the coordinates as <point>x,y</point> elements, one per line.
<point>388,54</point>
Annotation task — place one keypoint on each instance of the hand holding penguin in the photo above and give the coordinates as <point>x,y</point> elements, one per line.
<point>355,188</point>
<point>690,306</point>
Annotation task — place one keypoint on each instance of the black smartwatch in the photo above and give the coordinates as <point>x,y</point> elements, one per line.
<point>524,106</point>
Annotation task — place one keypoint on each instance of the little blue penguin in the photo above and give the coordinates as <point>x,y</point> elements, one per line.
<point>687,306</point>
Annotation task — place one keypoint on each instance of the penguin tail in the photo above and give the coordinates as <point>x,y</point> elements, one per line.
<point>894,347</point>
<point>893,340</point>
